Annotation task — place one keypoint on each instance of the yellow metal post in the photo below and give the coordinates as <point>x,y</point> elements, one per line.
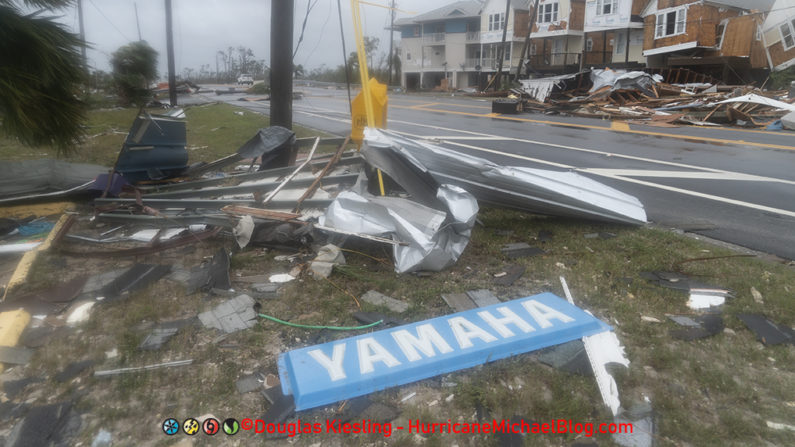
<point>363,74</point>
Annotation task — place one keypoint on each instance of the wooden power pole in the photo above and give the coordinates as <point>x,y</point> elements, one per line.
<point>282,63</point>
<point>82,34</point>
<point>501,49</point>
<point>172,78</point>
<point>391,41</point>
<point>526,44</point>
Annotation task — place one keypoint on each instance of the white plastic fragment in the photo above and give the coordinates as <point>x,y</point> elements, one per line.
<point>80,314</point>
<point>779,426</point>
<point>703,301</point>
<point>243,230</point>
<point>281,277</point>
<point>408,396</point>
<point>602,348</point>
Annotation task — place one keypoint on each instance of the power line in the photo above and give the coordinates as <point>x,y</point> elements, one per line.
<point>106,18</point>
<point>309,6</point>
<point>322,31</point>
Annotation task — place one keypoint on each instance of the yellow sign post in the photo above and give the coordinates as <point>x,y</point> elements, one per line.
<point>378,100</point>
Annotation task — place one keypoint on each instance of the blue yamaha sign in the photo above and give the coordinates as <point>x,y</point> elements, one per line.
<point>342,369</point>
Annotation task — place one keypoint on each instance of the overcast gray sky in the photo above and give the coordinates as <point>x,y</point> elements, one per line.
<point>202,27</point>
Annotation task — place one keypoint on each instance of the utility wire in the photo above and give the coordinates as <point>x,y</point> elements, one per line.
<point>106,18</point>
<point>322,34</point>
<point>309,6</point>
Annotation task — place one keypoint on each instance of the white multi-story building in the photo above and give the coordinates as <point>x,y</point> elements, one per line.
<point>441,47</point>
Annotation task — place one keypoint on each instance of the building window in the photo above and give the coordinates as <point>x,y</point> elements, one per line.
<point>720,31</point>
<point>605,7</point>
<point>758,32</point>
<point>416,31</point>
<point>408,56</point>
<point>496,21</point>
<point>788,34</point>
<point>589,45</point>
<point>619,45</point>
<point>548,13</point>
<point>671,23</point>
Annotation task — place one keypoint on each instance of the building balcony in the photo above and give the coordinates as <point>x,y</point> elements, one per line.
<point>473,36</point>
<point>433,38</point>
<point>553,60</point>
<point>471,62</point>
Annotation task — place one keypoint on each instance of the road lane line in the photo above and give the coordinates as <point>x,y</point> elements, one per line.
<point>640,182</point>
<point>586,150</point>
<point>629,131</point>
<point>619,125</point>
<point>486,137</point>
<point>625,179</point>
<point>703,195</point>
<point>420,106</point>
<point>679,174</point>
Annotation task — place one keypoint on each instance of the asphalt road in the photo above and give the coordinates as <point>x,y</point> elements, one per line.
<point>735,185</point>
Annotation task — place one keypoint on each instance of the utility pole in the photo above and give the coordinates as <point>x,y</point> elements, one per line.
<point>501,50</point>
<point>172,79</point>
<point>282,63</point>
<point>137,22</point>
<point>82,34</point>
<point>345,58</point>
<point>526,44</point>
<point>391,41</point>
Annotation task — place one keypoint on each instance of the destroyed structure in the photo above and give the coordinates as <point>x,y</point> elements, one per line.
<point>732,42</point>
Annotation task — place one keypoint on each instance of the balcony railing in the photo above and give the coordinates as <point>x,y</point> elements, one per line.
<point>433,38</point>
<point>599,57</point>
<point>471,62</point>
<point>553,60</point>
<point>473,36</point>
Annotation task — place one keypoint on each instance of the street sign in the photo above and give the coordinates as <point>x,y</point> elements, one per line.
<point>355,366</point>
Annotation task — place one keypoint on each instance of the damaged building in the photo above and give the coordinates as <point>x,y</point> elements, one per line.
<point>458,46</point>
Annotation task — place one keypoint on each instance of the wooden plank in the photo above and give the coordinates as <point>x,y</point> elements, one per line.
<point>284,183</point>
<point>239,210</point>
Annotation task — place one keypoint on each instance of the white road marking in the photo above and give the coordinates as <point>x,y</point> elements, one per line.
<point>679,174</point>
<point>592,151</point>
<point>603,173</point>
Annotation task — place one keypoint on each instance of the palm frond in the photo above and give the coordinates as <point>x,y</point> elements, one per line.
<point>41,4</point>
<point>40,80</point>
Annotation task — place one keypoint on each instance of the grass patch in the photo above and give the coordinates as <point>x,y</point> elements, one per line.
<point>213,131</point>
<point>719,390</point>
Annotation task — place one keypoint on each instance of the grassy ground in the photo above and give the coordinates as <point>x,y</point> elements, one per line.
<point>716,391</point>
<point>213,130</point>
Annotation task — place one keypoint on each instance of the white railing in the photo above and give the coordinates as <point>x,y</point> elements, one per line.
<point>473,36</point>
<point>433,38</point>
<point>472,62</point>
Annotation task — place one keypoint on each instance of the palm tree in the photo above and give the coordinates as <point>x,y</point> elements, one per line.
<point>40,77</point>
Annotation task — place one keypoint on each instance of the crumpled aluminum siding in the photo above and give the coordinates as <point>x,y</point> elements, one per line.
<point>559,193</point>
<point>435,238</point>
